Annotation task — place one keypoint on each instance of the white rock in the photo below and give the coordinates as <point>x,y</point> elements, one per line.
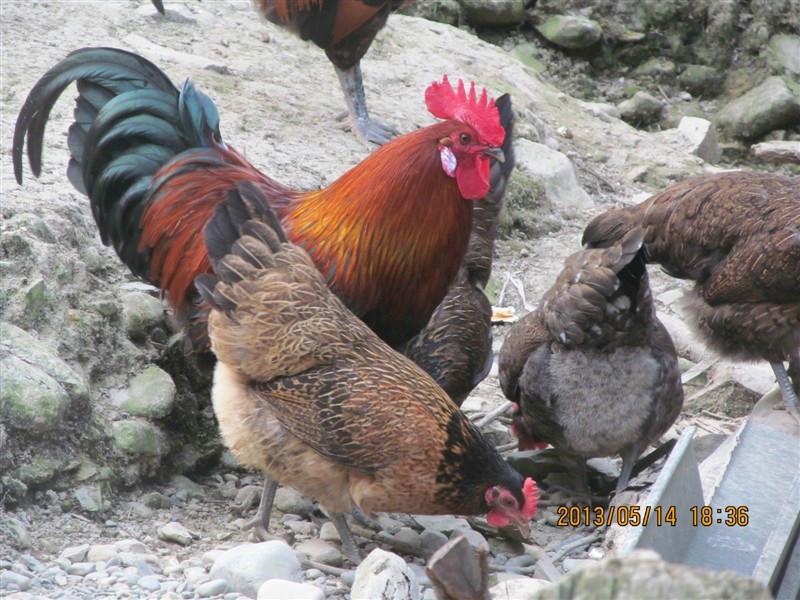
<point>247,566</point>
<point>523,588</point>
<point>194,575</point>
<point>75,553</point>
<point>280,589</point>
<point>175,532</point>
<point>210,556</point>
<point>131,545</point>
<point>554,171</point>
<point>215,587</point>
<point>777,152</point>
<point>101,552</point>
<point>475,539</point>
<point>603,110</point>
<point>702,136</point>
<point>384,576</point>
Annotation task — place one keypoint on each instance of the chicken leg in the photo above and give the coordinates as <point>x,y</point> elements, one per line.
<point>629,456</point>
<point>367,129</point>
<point>349,545</point>
<point>260,522</point>
<point>788,391</point>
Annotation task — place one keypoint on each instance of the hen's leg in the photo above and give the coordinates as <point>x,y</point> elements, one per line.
<point>362,519</point>
<point>629,456</point>
<point>260,523</point>
<point>789,394</point>
<point>349,545</point>
<point>366,128</point>
<point>794,369</point>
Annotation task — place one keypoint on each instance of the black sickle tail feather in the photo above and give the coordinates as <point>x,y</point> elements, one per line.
<point>130,120</point>
<point>246,211</point>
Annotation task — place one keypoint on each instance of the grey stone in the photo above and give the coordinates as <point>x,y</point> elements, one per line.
<point>784,53</point>
<point>248,566</point>
<point>494,13</point>
<point>151,583</point>
<point>627,577</point>
<point>280,589</point>
<point>406,535</point>
<point>192,488</point>
<point>142,313</point>
<point>215,587</point>
<point>441,523</point>
<point>771,105</point>
<point>642,110</point>
<point>328,532</point>
<point>475,539</point>
<point>150,394</point>
<point>9,579</point>
<point>777,152</point>
<point>656,68</point>
<point>319,551</point>
<point>571,32</point>
<point>135,436</point>
<point>90,498</point>
<point>702,136</point>
<point>603,110</point>
<point>432,540</point>
<point>75,553</point>
<point>385,576</point>
<point>441,11</point>
<point>554,172</point>
<point>155,500</point>
<point>20,538</point>
<point>291,501</point>
<point>701,80</point>
<point>30,399</point>
<point>175,532</point>
<point>81,568</point>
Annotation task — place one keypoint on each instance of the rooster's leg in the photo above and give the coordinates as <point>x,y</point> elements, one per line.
<point>368,129</point>
<point>260,523</point>
<point>629,456</point>
<point>349,545</point>
<point>789,394</point>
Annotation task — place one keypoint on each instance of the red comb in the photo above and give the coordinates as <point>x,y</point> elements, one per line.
<point>531,493</point>
<point>479,113</point>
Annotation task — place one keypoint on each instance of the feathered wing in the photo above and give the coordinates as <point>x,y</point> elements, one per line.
<point>148,155</point>
<point>325,375</point>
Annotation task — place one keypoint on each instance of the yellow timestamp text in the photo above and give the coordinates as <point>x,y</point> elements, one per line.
<point>624,516</point>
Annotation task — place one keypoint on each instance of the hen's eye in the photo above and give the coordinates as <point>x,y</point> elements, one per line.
<point>507,502</point>
<point>464,138</point>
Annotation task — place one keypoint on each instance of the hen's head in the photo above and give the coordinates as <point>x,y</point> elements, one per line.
<point>508,508</point>
<point>474,135</point>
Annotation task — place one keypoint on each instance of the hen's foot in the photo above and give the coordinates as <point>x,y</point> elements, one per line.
<point>787,390</point>
<point>362,519</point>
<point>260,522</point>
<point>349,545</point>
<point>375,132</point>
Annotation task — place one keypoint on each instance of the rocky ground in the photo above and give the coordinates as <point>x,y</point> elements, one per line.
<point>101,420</point>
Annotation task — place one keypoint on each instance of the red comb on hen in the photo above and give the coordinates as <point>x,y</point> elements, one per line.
<point>531,493</point>
<point>479,113</point>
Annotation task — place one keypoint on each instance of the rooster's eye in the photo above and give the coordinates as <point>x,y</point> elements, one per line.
<point>464,139</point>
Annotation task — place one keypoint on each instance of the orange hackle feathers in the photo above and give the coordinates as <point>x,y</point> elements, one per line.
<point>481,114</point>
<point>288,8</point>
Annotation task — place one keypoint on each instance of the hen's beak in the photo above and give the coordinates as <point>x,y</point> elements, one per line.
<point>523,526</point>
<point>495,153</point>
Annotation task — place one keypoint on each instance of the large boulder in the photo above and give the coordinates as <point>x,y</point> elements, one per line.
<point>768,106</point>
<point>571,32</point>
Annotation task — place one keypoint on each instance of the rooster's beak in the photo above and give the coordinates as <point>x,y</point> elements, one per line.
<point>495,153</point>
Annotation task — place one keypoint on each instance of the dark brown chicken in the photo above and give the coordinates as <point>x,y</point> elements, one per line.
<point>344,29</point>
<point>593,371</point>
<point>306,392</point>
<point>455,348</point>
<point>737,236</point>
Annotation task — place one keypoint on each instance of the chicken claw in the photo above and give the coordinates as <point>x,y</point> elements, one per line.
<point>369,130</point>
<point>260,522</point>
<point>349,545</point>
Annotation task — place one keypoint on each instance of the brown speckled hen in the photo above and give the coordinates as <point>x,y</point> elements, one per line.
<point>737,236</point>
<point>455,347</point>
<point>306,392</point>
<point>593,371</point>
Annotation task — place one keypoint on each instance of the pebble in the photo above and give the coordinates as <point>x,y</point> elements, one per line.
<point>320,551</point>
<point>81,569</point>
<point>328,532</point>
<point>150,583</point>
<point>155,500</point>
<point>215,587</point>
<point>181,482</point>
<point>210,556</point>
<point>443,524</point>
<point>279,589</point>
<point>9,579</point>
<point>301,527</point>
<point>130,545</point>
<point>409,536</point>
<point>432,541</point>
<point>291,501</point>
<point>475,539</point>
<point>195,575</point>
<point>101,552</point>
<point>247,566</point>
<point>175,532</point>
<point>75,553</point>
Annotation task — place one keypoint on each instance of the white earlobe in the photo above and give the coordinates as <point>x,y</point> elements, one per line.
<point>449,162</point>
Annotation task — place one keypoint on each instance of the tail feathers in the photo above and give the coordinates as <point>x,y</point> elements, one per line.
<point>608,228</point>
<point>601,296</point>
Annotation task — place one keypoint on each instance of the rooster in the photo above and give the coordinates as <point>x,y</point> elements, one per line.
<point>593,371</point>
<point>301,389</point>
<point>389,235</point>
<point>737,236</point>
<point>345,29</point>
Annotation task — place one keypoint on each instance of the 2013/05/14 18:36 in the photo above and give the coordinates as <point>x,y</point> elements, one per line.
<point>623,515</point>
